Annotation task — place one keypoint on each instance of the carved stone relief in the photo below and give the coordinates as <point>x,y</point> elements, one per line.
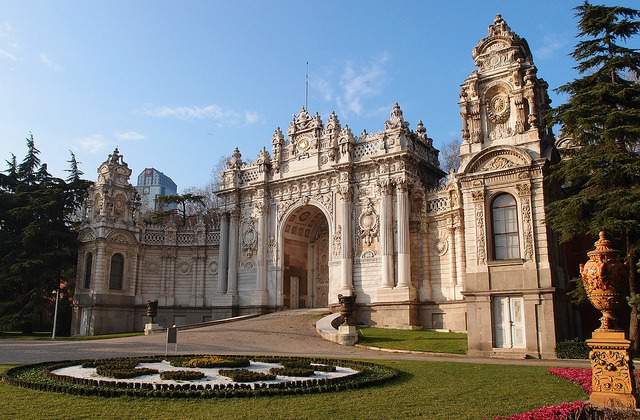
<point>368,224</point>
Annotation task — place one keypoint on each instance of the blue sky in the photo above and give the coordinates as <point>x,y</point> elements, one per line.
<point>175,85</point>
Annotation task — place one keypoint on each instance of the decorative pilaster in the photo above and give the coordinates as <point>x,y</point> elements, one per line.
<point>261,280</point>
<point>234,219</point>
<point>481,249</point>
<point>402,217</point>
<point>223,253</point>
<point>452,262</point>
<point>524,192</point>
<point>346,197</point>
<point>386,235</point>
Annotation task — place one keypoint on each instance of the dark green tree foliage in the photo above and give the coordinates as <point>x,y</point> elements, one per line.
<point>37,238</point>
<point>600,177</point>
<point>181,200</point>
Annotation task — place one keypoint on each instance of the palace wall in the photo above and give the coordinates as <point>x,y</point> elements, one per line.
<point>328,213</point>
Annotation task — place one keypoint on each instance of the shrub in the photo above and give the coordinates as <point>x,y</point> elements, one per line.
<point>123,373</point>
<point>572,349</point>
<point>181,375</point>
<point>323,368</point>
<point>210,362</point>
<point>244,375</point>
<point>285,371</point>
<point>304,364</point>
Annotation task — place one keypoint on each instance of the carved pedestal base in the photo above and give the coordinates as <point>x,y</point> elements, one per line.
<point>612,376</point>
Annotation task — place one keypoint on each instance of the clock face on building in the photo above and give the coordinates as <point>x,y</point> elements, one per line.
<point>303,144</point>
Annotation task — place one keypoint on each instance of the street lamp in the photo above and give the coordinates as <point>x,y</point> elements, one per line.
<point>55,313</point>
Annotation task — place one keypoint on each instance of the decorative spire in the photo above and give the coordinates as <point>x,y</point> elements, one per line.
<point>396,119</point>
<point>236,159</point>
<point>421,131</point>
<point>278,137</point>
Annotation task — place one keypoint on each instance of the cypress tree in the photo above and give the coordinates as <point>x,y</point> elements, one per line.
<point>599,178</point>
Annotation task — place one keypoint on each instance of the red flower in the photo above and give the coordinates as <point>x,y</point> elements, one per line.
<point>580,376</point>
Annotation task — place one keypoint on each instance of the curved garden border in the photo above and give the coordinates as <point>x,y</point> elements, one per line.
<point>40,377</point>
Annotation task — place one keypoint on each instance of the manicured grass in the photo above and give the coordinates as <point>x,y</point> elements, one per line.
<point>430,390</point>
<point>417,340</point>
<point>47,336</point>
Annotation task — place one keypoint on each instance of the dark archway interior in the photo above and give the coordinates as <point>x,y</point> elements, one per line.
<point>305,281</point>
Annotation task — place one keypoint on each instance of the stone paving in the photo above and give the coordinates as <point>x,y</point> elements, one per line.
<point>280,333</point>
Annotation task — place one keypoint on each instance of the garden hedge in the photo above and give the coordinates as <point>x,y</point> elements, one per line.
<point>181,375</point>
<point>39,376</point>
<point>244,375</point>
<point>572,349</point>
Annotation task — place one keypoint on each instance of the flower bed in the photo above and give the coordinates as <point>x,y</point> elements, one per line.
<point>580,376</point>
<point>123,373</point>
<point>244,375</point>
<point>323,368</point>
<point>181,375</point>
<point>292,371</point>
<point>209,362</point>
<point>48,376</point>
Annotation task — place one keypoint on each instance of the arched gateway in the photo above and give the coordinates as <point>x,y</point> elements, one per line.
<point>328,213</point>
<point>305,258</point>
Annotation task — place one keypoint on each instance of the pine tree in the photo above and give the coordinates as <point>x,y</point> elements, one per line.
<point>12,167</point>
<point>74,171</point>
<point>31,162</point>
<point>600,178</point>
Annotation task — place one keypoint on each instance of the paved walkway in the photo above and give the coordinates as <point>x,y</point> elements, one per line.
<point>280,333</point>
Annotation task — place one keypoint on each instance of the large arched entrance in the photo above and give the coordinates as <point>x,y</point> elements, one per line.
<point>305,277</point>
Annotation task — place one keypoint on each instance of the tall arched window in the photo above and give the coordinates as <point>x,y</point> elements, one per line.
<point>88,262</point>
<point>117,271</point>
<point>506,244</point>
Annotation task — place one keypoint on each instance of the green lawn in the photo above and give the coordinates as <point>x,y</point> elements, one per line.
<point>430,390</point>
<point>47,336</point>
<point>417,340</point>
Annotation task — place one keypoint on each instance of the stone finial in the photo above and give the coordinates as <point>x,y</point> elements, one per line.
<point>421,131</point>
<point>396,119</point>
<point>278,137</point>
<point>236,159</point>
<point>499,27</point>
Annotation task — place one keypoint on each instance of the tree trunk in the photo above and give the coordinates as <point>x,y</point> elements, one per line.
<point>633,322</point>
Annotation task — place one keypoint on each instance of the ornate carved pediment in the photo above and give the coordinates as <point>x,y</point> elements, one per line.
<point>501,47</point>
<point>498,158</point>
<point>121,238</point>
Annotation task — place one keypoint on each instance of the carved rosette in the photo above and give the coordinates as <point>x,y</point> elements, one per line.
<point>604,278</point>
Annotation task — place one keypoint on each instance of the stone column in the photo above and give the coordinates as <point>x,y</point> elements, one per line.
<point>404,253</point>
<point>461,258</point>
<point>100,282</point>
<point>452,262</point>
<point>234,225</point>
<point>346,272</point>
<point>386,237</point>
<point>223,253</point>
<point>261,274</point>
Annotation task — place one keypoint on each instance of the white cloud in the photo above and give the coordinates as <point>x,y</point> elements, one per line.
<point>551,43</point>
<point>93,143</point>
<point>322,87</point>
<point>7,55</point>
<point>360,82</point>
<point>130,135</point>
<point>47,61</point>
<point>8,44</point>
<point>251,117</point>
<point>214,112</point>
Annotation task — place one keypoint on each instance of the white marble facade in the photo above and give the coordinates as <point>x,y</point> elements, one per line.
<point>327,212</point>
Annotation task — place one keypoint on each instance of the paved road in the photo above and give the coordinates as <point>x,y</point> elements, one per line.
<point>280,333</point>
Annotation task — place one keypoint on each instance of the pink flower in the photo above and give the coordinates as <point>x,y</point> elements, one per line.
<point>580,376</point>
<point>554,412</point>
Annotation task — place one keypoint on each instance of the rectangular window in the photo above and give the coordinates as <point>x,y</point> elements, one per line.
<point>437,321</point>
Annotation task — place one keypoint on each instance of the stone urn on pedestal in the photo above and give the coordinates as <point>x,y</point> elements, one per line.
<point>605,279</point>
<point>347,332</point>
<point>151,311</point>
